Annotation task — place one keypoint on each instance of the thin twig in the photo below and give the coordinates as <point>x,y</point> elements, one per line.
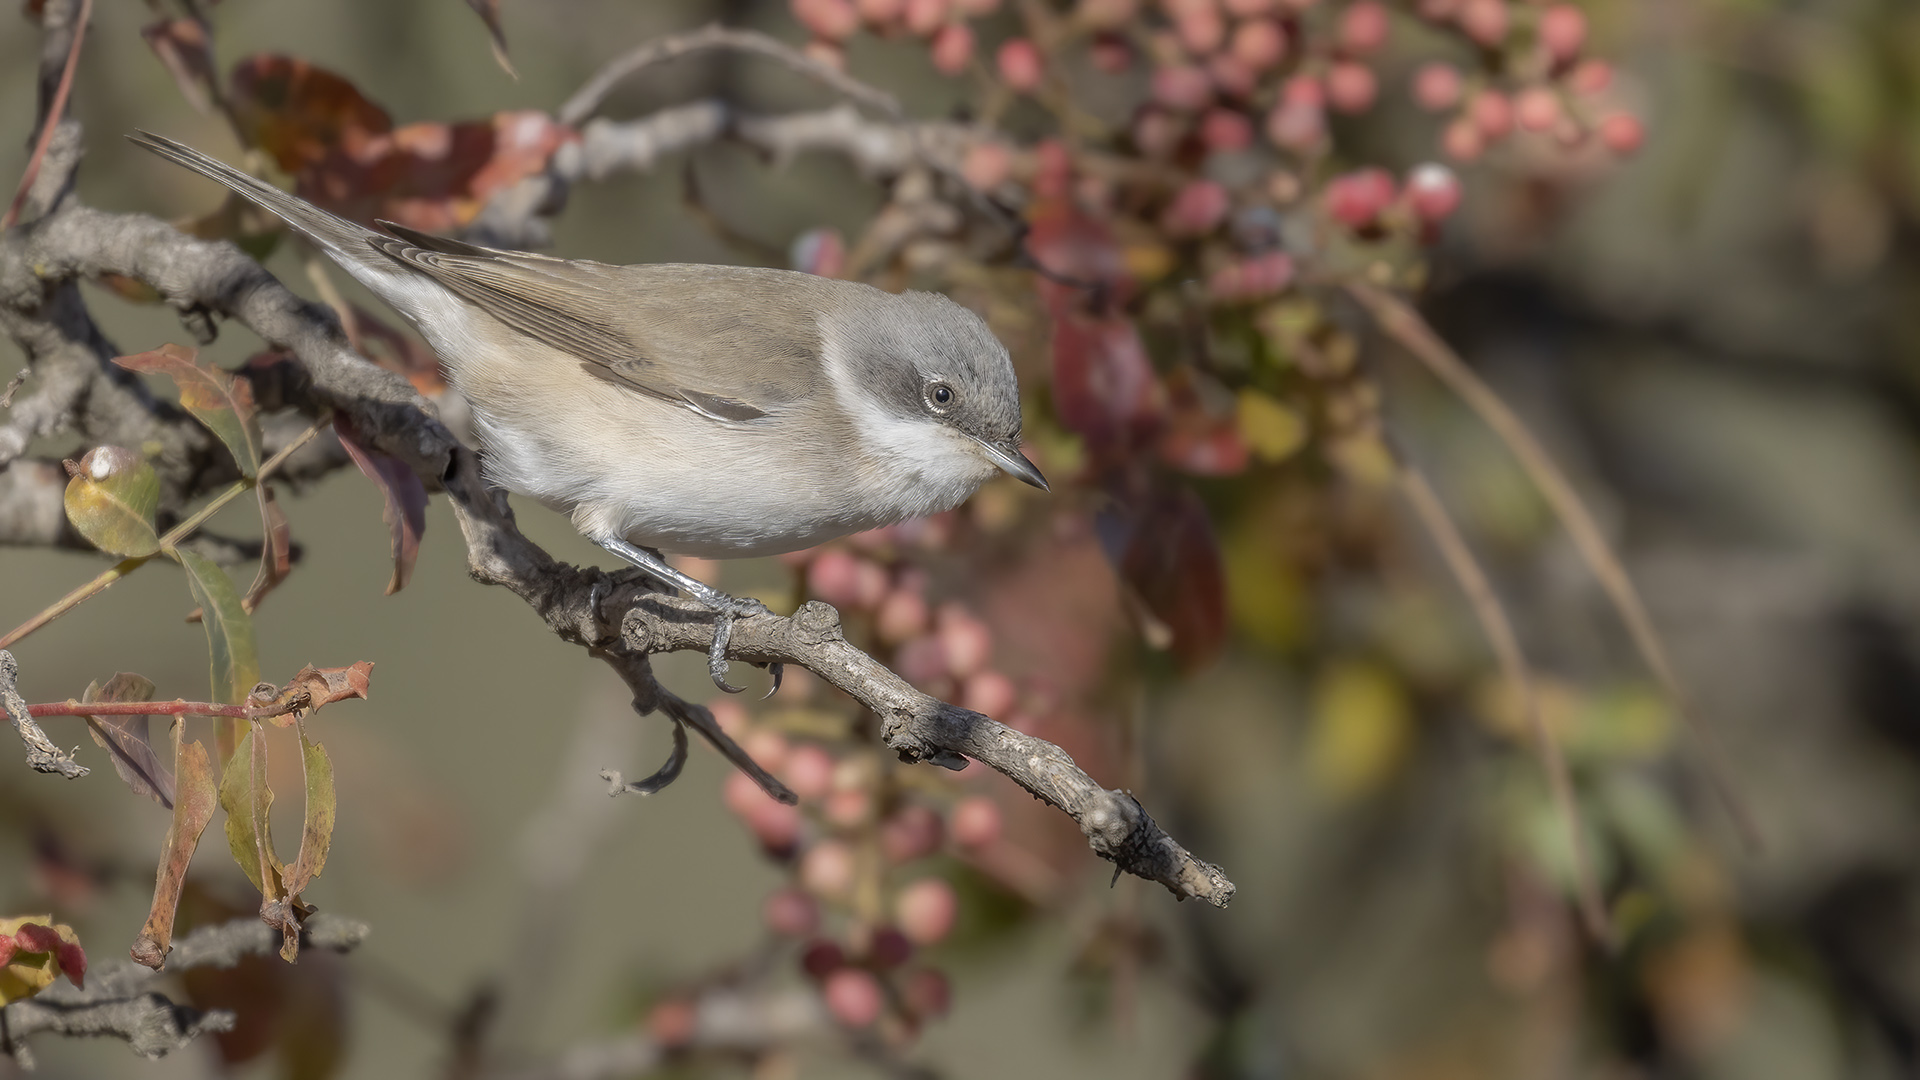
<point>51,122</point>
<point>42,754</point>
<point>1492,616</point>
<point>1400,322</point>
<point>176,707</point>
<point>588,99</point>
<point>174,536</point>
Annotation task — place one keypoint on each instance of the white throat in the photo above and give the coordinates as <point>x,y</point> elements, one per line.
<point>923,465</point>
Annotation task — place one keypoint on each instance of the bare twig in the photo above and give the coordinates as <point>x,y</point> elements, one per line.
<point>118,1000</point>
<point>632,623</point>
<point>587,100</point>
<point>42,755</point>
<point>1404,325</point>
<point>50,119</point>
<point>1492,616</point>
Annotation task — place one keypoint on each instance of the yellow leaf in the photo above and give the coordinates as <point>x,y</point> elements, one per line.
<point>1272,430</point>
<point>1362,728</point>
<point>28,973</point>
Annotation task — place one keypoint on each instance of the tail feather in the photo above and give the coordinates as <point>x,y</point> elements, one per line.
<point>343,239</point>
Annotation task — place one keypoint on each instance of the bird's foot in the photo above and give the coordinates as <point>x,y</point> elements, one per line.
<point>726,608</point>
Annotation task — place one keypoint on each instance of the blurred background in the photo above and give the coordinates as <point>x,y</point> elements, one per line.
<point>1715,336</point>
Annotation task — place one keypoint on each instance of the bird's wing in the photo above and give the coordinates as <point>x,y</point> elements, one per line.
<point>702,337</point>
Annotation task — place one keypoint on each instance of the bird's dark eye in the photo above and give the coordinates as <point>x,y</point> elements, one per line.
<point>939,397</point>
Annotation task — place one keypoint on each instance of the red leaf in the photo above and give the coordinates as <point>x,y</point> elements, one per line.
<point>1070,244</point>
<point>36,938</point>
<point>405,511</point>
<point>300,114</point>
<point>1163,546</point>
<point>346,155</point>
<point>1103,386</point>
<point>73,962</point>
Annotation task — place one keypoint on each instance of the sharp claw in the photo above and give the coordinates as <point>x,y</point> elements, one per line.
<point>717,655</point>
<point>776,669</point>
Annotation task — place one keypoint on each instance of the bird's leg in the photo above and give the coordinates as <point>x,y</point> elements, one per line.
<point>725,608</point>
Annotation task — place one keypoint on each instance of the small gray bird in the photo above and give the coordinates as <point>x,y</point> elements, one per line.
<point>718,411</point>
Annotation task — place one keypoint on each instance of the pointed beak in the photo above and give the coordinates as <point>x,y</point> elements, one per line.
<point>1010,459</point>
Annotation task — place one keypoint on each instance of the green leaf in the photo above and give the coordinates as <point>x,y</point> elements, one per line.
<point>246,798</point>
<point>194,799</point>
<point>111,500</point>
<point>235,667</point>
<point>212,395</point>
<point>316,836</point>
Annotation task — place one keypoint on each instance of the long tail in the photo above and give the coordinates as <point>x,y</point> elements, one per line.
<point>341,238</point>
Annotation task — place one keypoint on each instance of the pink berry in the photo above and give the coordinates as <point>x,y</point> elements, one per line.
<point>1622,133</point>
<point>925,16</point>
<point>1226,130</point>
<point>870,584</point>
<point>1356,199</point>
<point>1563,32</point>
<point>853,997</point>
<point>966,641</point>
<point>1201,30</point>
<point>673,1023</point>
<point>952,48</point>
<point>1351,87</point>
<point>1296,127</point>
<point>822,958</point>
<point>1493,114</point>
<point>1363,27</point>
<point>922,661</point>
<point>988,692</point>
<point>912,832</point>
<point>926,910</point>
<point>1590,78</point>
<point>1462,140</point>
<point>766,746</point>
<point>827,869</point>
<point>902,616</point>
<point>808,771</point>
<point>1303,90</point>
<point>880,12</point>
<point>1196,209</point>
<point>829,19</point>
<point>790,913</point>
<point>1259,44</point>
<point>834,577</point>
<point>847,807</point>
<point>975,822</point>
<point>730,715</point>
<point>1111,53</point>
<point>1231,77</point>
<point>776,825</point>
<point>1184,88</point>
<point>927,994</point>
<point>741,795</point>
<point>1433,191</point>
<point>1436,86</point>
<point>1019,63</point>
<point>1485,21</point>
<point>1536,109</point>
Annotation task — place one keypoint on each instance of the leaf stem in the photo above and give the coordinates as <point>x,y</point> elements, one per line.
<point>174,536</point>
